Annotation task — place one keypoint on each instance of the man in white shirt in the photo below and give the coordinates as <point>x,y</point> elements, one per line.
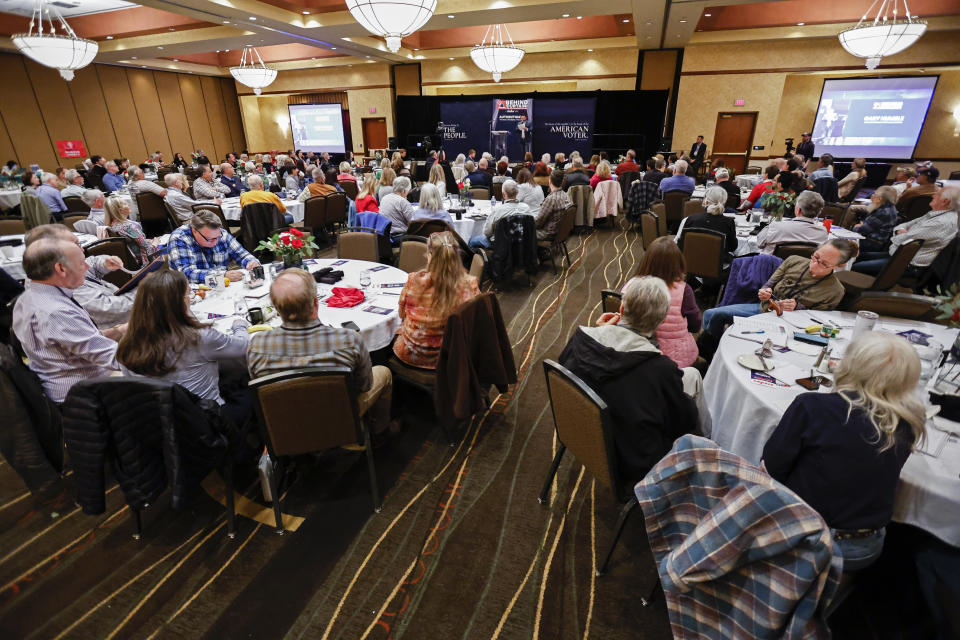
<point>94,199</point>
<point>800,229</point>
<point>138,185</point>
<point>509,207</point>
<point>74,184</point>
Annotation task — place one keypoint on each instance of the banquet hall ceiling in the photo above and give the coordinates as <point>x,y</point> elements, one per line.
<point>206,36</point>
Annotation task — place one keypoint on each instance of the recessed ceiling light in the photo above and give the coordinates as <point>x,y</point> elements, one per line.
<point>313,58</point>
<point>175,60</point>
<point>590,50</point>
<point>159,47</point>
<point>226,50</point>
<point>171,29</point>
<point>451,17</point>
<point>649,21</point>
<point>682,21</point>
<point>368,56</point>
<point>253,17</point>
<point>627,20</point>
<point>800,24</point>
<point>566,15</point>
<point>226,22</point>
<point>333,48</point>
<point>579,17</point>
<point>133,57</point>
<point>451,58</point>
<point>707,15</point>
<point>306,13</point>
<point>109,37</point>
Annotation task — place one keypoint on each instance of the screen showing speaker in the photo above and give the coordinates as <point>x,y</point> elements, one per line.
<point>317,127</point>
<point>876,118</point>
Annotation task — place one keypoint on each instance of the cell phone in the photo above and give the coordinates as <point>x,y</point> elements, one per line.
<point>810,384</point>
<point>350,324</point>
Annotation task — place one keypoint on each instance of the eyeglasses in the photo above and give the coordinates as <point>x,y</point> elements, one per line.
<point>816,258</point>
<point>206,238</point>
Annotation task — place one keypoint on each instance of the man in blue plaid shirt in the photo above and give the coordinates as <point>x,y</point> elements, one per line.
<point>203,245</point>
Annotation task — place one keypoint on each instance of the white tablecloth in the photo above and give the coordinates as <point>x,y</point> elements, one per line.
<point>744,413</point>
<point>231,209</point>
<point>377,330</point>
<point>468,227</point>
<point>749,180</point>
<point>11,255</point>
<point>9,198</point>
<point>700,191</point>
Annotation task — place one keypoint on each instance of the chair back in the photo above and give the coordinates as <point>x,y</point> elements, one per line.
<point>827,187</point>
<point>610,300</point>
<point>477,264</point>
<point>787,249</point>
<point>358,245</point>
<point>12,226</point>
<point>480,193</point>
<point>833,212</point>
<point>660,210</point>
<point>582,196</point>
<point>76,203</point>
<point>916,208</point>
<point>70,221</point>
<point>258,221</point>
<point>152,214</point>
<point>649,227</point>
<point>897,305</point>
<point>413,197</point>
<point>189,193</point>
<point>114,247</point>
<point>173,220</point>
<point>754,169</point>
<point>34,211</point>
<point>692,207</point>
<point>954,175</point>
<point>894,269</point>
<point>425,227</point>
<point>857,186</point>
<point>583,426</point>
<point>498,190</point>
<point>703,252</point>
<point>350,189</point>
<point>286,408</point>
<point>85,226</point>
<point>626,179</point>
<point>413,254</point>
<point>315,212</point>
<point>213,208</point>
<point>565,226</point>
<point>675,207</point>
<point>336,208</point>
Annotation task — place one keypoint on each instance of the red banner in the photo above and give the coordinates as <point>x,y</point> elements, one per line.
<point>71,149</point>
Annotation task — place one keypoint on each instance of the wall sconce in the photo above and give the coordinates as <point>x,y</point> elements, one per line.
<point>282,122</point>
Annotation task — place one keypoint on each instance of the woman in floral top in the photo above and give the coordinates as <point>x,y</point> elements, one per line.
<point>117,217</point>
<point>428,299</point>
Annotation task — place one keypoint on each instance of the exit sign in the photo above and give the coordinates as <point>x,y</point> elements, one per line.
<point>739,102</point>
<point>373,109</point>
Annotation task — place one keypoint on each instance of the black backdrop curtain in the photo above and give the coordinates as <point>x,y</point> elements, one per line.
<point>624,119</point>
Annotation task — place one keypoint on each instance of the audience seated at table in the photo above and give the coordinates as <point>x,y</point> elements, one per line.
<point>477,174</point>
<point>643,388</point>
<point>438,179</point>
<point>165,341</point>
<point>291,181</point>
<point>801,228</point>
<point>528,191</point>
<point>427,300</point>
<point>258,194</point>
<point>431,205</point>
<point>654,172</point>
<point>204,245</point>
<point>576,175</point>
<point>552,207</point>
<point>49,193</point>
<point>924,185</point>
<point>663,259</point>
<point>508,207</point>
<point>604,172</point>
<point>230,180</point>
<point>824,167</point>
<point>75,183</point>
<point>395,207</point>
<point>386,183</point>
<point>177,197</point>
<point>857,170</point>
<point>117,218</point>
<point>722,176</point>
<point>94,199</point>
<point>790,183</point>
<point>318,187</point>
<point>679,181</point>
<point>629,163</point>
<point>345,174</point>
<point>367,196</point>
<point>712,218</point>
<point>764,186</point>
<point>502,173</point>
<point>207,187</point>
<point>137,185</point>
<point>936,228</point>
<point>842,452</point>
<point>61,341</point>
<point>541,173</point>
<point>904,179</point>
<point>879,220</point>
<point>798,283</point>
<point>112,180</point>
<point>303,341</point>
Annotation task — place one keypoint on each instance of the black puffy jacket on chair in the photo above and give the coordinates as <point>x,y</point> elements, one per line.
<point>514,246</point>
<point>151,433</point>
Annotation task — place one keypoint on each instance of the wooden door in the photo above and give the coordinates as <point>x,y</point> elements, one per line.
<point>734,138</point>
<point>374,134</point>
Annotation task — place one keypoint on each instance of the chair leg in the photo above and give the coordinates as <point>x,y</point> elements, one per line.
<point>553,258</point>
<point>275,491</point>
<point>136,518</point>
<point>372,469</point>
<point>231,510</point>
<point>553,471</point>
<point>566,253</point>
<point>624,514</point>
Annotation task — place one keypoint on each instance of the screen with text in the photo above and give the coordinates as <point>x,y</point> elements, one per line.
<point>317,127</point>
<point>874,118</point>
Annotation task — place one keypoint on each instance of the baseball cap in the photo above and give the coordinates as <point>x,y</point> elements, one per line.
<point>932,172</point>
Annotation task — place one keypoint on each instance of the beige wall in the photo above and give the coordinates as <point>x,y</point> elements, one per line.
<point>115,111</point>
<point>786,101</point>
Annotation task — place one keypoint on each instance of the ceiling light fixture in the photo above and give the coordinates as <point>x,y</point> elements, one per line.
<point>392,19</point>
<point>566,15</point>
<point>883,36</point>
<point>707,15</point>
<point>253,17</point>
<point>495,57</point>
<point>109,37</point>
<point>590,50</point>
<point>64,52</point>
<point>306,13</point>
<point>627,20</point>
<point>252,72</point>
<point>800,24</point>
<point>579,17</point>
<point>682,21</point>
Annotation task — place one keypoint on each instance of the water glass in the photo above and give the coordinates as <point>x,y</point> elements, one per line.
<point>240,307</point>
<point>930,358</point>
<point>365,279</point>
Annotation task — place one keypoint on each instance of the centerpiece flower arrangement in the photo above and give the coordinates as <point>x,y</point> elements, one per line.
<point>778,202</point>
<point>291,245</point>
<point>948,304</point>
<point>464,187</point>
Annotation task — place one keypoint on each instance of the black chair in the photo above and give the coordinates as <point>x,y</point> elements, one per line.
<point>559,241</point>
<point>827,187</point>
<point>856,283</point>
<point>259,221</point>
<point>787,249</point>
<point>649,227</point>
<point>414,196</point>
<point>897,305</point>
<point>704,253</point>
<point>152,215</point>
<point>675,201</point>
<point>350,189</point>
<point>285,405</point>
<point>115,247</point>
<point>915,208</point>
<point>76,203</point>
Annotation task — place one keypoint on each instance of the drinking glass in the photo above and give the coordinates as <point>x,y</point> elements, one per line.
<point>930,357</point>
<point>365,279</point>
<point>240,307</point>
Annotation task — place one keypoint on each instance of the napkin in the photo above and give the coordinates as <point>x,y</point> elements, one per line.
<point>344,297</point>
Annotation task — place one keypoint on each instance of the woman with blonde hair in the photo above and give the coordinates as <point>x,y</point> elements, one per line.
<point>438,180</point>
<point>386,183</point>
<point>431,205</point>
<point>427,300</point>
<point>857,171</point>
<point>367,198</point>
<point>604,172</point>
<point>842,452</point>
<point>116,216</point>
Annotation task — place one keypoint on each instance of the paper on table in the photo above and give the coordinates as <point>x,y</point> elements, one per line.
<point>804,348</point>
<point>747,328</point>
<point>787,372</point>
<point>933,443</point>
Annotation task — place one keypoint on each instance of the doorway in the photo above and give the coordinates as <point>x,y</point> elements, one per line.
<point>733,139</point>
<point>374,134</point>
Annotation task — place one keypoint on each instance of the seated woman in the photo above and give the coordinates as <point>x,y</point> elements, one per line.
<point>428,299</point>
<point>386,183</point>
<point>663,260</point>
<point>714,203</point>
<point>529,191</point>
<point>346,174</point>
<point>877,226</point>
<point>594,162</point>
<point>604,172</point>
<point>367,198</point>
<point>528,161</point>
<point>541,173</point>
<point>165,341</point>
<point>857,171</point>
<point>438,180</point>
<point>117,217</point>
<point>503,172</point>
<point>30,182</point>
<point>842,452</point>
<point>431,205</point>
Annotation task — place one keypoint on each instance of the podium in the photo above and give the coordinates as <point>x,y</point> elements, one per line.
<point>498,143</point>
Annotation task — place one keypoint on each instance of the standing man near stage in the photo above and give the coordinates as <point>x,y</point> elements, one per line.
<point>526,133</point>
<point>698,152</point>
<point>805,148</point>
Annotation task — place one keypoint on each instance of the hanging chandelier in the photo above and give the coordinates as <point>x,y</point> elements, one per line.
<point>65,51</point>
<point>885,35</point>
<point>253,73</point>
<point>493,56</point>
<point>392,19</point>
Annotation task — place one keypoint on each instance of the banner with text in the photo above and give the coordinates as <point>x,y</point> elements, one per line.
<point>564,125</point>
<point>512,132</point>
<point>464,126</point>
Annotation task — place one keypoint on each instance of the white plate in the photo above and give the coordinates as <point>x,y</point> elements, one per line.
<point>752,361</point>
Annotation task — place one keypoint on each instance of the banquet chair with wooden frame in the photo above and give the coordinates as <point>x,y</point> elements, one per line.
<point>215,209</point>
<point>497,191</point>
<point>259,221</point>
<point>480,193</point>
<point>361,243</point>
<point>754,170</point>
<point>76,203</point>
<point>425,227</point>
<point>704,253</point>
<point>916,208</point>
<point>12,226</point>
<point>315,217</point>
<point>857,186</point>
<point>152,213</point>
<point>626,179</point>
<point>336,212</point>
<point>114,247</point>
<point>855,283</point>
<point>787,249</point>
<point>478,266</point>
<point>559,242</point>
<point>834,212</point>
<point>660,210</point>
<point>173,220</point>
<point>413,253</point>
<point>908,306</point>
<point>285,405</point>
<point>584,425</point>
<point>349,188</point>
<point>675,206</point>
<point>692,207</point>
<point>649,227</point>
<point>86,226</point>
<point>610,301</point>
<point>69,221</point>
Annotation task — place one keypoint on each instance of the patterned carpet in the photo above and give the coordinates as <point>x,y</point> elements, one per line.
<point>461,549</point>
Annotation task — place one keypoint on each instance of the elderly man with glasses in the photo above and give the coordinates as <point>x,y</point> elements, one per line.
<point>203,246</point>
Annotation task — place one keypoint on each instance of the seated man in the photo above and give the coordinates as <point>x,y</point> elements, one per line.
<point>552,207</point>
<point>654,171</point>
<point>258,194</point>
<point>925,185</point>
<point>177,197</point>
<point>798,283</point>
<point>396,208</point>
<point>679,181</point>
<point>318,187</point>
<point>764,186</point>
<point>112,180</point>
<point>62,342</point>
<point>49,192</point>
<point>904,179</point>
<point>478,176</point>
<point>95,295</point>
<point>203,245</point>
<point>824,167</point>
<point>648,396</point>
<point>936,229</point>
<point>723,180</point>
<point>94,199</point>
<point>74,184</point>
<point>802,228</point>
<point>230,180</point>
<point>303,341</point>
<point>137,185</point>
<point>629,163</point>
<point>577,176</point>
<point>509,207</point>
<point>206,186</point>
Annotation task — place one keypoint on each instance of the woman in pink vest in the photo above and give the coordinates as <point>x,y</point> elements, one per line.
<point>664,260</point>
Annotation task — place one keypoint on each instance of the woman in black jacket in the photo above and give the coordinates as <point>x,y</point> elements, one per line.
<point>713,219</point>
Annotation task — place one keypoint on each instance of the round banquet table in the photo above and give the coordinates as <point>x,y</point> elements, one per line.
<point>12,248</point>
<point>9,198</point>
<point>376,329</point>
<point>745,411</point>
<point>471,222</point>
<point>749,180</point>
<point>231,209</point>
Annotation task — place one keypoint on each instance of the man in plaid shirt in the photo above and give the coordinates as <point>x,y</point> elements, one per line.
<point>552,207</point>
<point>203,245</point>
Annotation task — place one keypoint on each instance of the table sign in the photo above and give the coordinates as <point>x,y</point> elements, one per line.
<point>379,310</point>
